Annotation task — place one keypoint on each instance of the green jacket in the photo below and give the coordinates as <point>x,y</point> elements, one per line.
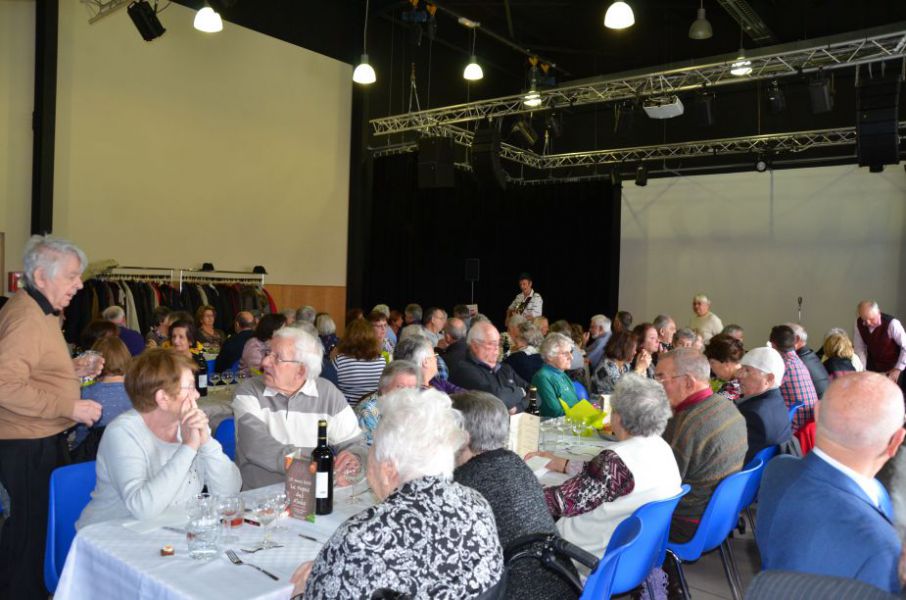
<point>553,385</point>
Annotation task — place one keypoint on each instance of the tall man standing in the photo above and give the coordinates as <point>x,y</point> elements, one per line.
<point>39,399</point>
<point>704,321</point>
<point>879,341</point>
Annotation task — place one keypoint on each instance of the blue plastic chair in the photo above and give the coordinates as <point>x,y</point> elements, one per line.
<point>581,392</point>
<point>720,518</point>
<point>226,435</point>
<point>599,585</point>
<point>751,492</point>
<point>793,410</point>
<point>70,491</point>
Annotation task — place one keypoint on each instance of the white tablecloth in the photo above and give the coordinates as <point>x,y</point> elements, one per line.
<point>107,560</point>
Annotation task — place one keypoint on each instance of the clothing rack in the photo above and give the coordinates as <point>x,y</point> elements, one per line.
<point>157,274</point>
<point>241,277</point>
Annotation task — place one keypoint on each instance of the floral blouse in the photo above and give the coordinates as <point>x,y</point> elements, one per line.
<point>431,539</point>
<point>607,375</point>
<point>603,479</point>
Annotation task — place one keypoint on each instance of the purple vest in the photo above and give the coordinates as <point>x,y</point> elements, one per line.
<point>883,352</point>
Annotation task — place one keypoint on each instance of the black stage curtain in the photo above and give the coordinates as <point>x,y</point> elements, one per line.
<point>567,235</point>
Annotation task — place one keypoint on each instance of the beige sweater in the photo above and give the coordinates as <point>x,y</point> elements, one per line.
<point>38,385</point>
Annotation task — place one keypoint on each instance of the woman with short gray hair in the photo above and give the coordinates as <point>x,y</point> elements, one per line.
<point>428,536</point>
<point>510,487</point>
<point>551,379</point>
<point>638,469</point>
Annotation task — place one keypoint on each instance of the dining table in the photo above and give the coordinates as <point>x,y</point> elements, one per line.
<point>123,559</point>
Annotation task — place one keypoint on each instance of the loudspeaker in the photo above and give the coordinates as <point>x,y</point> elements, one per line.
<point>486,158</point>
<point>877,118</point>
<point>822,97</point>
<point>435,163</point>
<point>473,266</point>
<point>703,106</point>
<point>145,19</point>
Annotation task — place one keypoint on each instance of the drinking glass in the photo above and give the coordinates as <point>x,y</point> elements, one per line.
<point>281,503</point>
<point>203,528</point>
<point>230,508</point>
<point>92,359</point>
<point>266,513</point>
<point>214,379</point>
<point>354,471</point>
<point>227,377</point>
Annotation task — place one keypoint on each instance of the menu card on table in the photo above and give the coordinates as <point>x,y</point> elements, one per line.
<point>300,477</point>
<point>525,431</point>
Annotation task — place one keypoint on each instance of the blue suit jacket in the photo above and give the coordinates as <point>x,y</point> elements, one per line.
<point>814,519</point>
<point>767,421</point>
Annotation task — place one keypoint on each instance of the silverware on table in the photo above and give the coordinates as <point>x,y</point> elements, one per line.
<point>258,549</point>
<point>238,561</point>
<point>314,539</point>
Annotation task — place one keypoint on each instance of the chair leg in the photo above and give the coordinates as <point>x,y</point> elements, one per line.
<point>682,576</point>
<point>751,518</point>
<point>726,558</point>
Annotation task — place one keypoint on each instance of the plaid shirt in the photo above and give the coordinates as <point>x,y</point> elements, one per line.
<point>797,387</point>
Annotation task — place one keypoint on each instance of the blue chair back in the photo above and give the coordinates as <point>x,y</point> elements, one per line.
<point>720,516</point>
<point>581,392</point>
<point>650,549</point>
<point>751,491</point>
<point>70,491</point>
<point>794,408</point>
<point>599,585</point>
<point>226,435</point>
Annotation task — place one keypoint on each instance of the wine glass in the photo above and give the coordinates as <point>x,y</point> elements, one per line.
<point>227,378</point>
<point>230,508</point>
<point>214,379</point>
<point>281,503</point>
<point>265,510</point>
<point>354,471</point>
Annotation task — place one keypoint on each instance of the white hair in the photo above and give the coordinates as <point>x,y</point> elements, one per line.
<point>45,252</point>
<point>554,344</point>
<point>601,320</point>
<point>325,324</point>
<point>689,361</point>
<point>410,330</point>
<point>307,349</point>
<point>419,433</point>
<point>478,330</point>
<point>306,313</point>
<point>701,298</point>
<point>415,348</point>
<point>642,405</point>
<point>113,313</point>
<point>396,368</point>
<point>799,332</point>
<point>383,309</point>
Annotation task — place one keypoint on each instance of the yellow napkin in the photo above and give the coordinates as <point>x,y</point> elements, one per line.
<point>584,411</point>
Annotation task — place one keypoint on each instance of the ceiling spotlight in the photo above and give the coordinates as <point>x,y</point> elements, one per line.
<point>619,16</point>
<point>145,20</point>
<point>532,99</point>
<point>363,73</point>
<point>776,98</point>
<point>761,165</point>
<point>701,27</point>
<point>641,176</point>
<point>473,71</point>
<point>208,20</point>
<point>742,66</point>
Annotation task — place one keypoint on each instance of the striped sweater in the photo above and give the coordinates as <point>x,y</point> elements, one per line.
<point>356,378</point>
<point>709,442</point>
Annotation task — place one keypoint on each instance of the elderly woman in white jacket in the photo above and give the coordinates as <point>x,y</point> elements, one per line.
<point>160,453</point>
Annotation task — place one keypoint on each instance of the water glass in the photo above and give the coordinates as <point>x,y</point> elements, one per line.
<point>203,528</point>
<point>214,379</point>
<point>230,508</point>
<point>265,509</point>
<point>227,377</point>
<point>92,359</point>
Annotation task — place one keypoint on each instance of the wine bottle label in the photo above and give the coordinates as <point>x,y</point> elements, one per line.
<point>203,381</point>
<point>321,485</point>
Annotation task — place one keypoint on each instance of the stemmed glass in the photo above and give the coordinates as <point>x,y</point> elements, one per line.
<point>354,471</point>
<point>214,379</point>
<point>230,508</point>
<point>265,509</point>
<point>227,378</point>
<point>281,503</point>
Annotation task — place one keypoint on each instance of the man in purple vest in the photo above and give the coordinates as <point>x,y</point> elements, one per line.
<point>879,340</point>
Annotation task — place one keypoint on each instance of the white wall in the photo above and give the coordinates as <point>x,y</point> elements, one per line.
<point>231,148</point>
<point>833,235</point>
<point>17,82</point>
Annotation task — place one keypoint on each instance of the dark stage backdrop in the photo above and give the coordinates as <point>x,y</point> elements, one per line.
<point>567,235</point>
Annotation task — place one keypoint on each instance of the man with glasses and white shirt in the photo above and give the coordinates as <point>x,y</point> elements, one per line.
<point>278,412</point>
<point>481,371</point>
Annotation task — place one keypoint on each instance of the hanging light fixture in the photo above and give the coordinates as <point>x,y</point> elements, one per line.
<point>208,20</point>
<point>701,27</point>
<point>742,66</point>
<point>473,71</point>
<point>619,16</point>
<point>363,73</point>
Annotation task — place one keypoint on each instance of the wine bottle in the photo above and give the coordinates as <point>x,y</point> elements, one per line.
<point>201,382</point>
<point>533,407</point>
<point>323,457</point>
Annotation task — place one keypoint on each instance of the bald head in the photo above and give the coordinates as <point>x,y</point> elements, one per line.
<point>870,313</point>
<point>244,320</point>
<point>860,413</point>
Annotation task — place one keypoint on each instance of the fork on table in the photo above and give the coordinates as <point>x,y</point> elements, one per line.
<point>238,561</point>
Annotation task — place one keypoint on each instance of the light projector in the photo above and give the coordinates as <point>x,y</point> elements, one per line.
<point>663,108</point>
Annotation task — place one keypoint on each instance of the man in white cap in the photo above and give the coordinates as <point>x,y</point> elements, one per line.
<point>762,406</point>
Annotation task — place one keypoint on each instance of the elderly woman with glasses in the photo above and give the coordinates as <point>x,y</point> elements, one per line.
<point>428,537</point>
<point>551,379</point>
<point>511,488</point>
<point>636,470</point>
<point>161,453</point>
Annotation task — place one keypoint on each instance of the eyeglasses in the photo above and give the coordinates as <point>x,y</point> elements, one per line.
<point>278,360</point>
<point>661,378</point>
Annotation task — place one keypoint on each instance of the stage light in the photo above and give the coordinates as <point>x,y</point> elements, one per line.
<point>363,73</point>
<point>641,176</point>
<point>701,27</point>
<point>619,16</point>
<point>208,20</point>
<point>761,165</point>
<point>145,20</point>
<point>473,71</point>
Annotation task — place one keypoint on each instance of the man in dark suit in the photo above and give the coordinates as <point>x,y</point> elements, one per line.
<point>761,405</point>
<point>231,351</point>
<point>481,371</point>
<point>811,360</point>
<point>454,347</point>
<point>826,513</point>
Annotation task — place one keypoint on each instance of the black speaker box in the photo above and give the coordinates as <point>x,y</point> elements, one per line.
<point>435,163</point>
<point>486,158</point>
<point>877,119</point>
<point>145,20</point>
<point>820,94</point>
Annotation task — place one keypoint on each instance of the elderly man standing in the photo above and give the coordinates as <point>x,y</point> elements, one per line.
<point>797,384</point>
<point>826,513</point>
<point>811,361</point>
<point>133,339</point>
<point>880,342</point>
<point>707,434</point>
<point>527,302</point>
<point>39,400</point>
<point>767,422</point>
<point>598,335</point>
<point>704,321</point>
<point>278,412</point>
<point>481,371</point>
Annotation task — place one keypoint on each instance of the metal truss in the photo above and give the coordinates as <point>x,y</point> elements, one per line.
<point>102,8</point>
<point>792,142</point>
<point>833,52</point>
